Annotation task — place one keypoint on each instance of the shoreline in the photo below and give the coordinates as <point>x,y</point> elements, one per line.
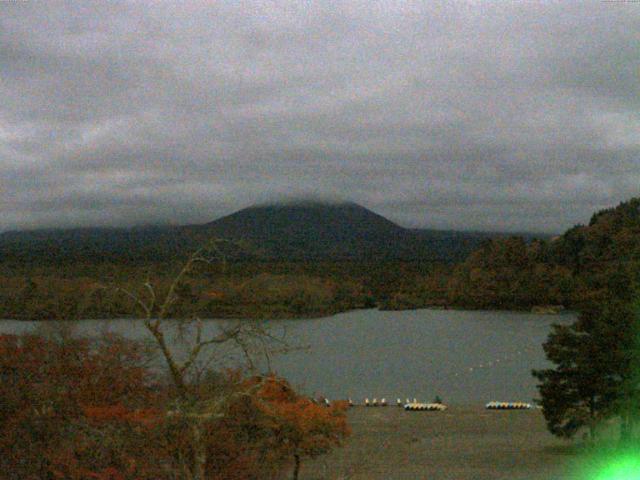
<point>311,316</point>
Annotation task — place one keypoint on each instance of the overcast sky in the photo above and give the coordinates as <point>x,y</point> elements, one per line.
<point>490,115</point>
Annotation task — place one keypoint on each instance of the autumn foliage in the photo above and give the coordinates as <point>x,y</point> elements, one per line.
<point>75,409</point>
<point>300,427</point>
<point>264,431</point>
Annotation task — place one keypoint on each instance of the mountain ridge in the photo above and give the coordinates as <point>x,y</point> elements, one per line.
<point>304,230</point>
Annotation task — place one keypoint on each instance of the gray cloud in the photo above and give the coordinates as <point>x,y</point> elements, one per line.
<point>496,116</point>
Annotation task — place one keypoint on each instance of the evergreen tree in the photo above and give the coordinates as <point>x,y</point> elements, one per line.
<point>597,364</point>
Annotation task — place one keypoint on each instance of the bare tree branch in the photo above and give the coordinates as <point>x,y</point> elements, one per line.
<point>244,336</point>
<point>135,298</point>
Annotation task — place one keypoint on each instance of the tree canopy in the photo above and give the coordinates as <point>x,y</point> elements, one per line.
<point>597,364</point>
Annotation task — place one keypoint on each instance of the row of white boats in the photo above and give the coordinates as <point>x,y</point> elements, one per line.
<point>434,406</point>
<point>407,404</point>
<point>508,406</point>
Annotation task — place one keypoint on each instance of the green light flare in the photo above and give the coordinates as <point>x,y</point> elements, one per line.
<point>618,467</point>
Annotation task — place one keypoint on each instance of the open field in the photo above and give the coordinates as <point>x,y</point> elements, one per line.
<point>462,443</point>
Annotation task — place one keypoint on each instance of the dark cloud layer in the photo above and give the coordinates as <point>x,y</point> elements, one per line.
<point>483,115</point>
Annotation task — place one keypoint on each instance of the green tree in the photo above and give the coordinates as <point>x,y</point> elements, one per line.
<point>596,365</point>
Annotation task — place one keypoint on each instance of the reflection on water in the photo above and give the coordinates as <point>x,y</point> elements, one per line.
<point>462,356</point>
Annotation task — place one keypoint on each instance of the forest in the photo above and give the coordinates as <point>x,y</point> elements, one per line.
<point>508,272</point>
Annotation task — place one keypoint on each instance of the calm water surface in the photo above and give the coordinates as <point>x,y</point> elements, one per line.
<point>462,356</point>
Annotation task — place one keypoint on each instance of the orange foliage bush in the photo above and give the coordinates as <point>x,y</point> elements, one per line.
<point>63,404</point>
<point>79,410</point>
<point>302,427</point>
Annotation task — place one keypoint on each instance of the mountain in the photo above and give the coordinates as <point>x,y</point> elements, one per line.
<point>315,231</point>
<point>310,230</point>
<point>292,231</point>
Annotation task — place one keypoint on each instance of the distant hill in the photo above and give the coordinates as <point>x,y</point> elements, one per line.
<point>611,238</point>
<point>581,265</point>
<point>134,245</point>
<point>294,231</point>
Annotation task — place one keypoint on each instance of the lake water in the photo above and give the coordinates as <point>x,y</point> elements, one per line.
<point>462,356</point>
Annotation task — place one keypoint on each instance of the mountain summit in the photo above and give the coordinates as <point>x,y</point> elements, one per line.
<point>331,222</point>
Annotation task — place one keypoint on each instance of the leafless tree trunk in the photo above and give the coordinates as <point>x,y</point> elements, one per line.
<point>199,452</point>
<point>155,312</point>
<point>296,468</point>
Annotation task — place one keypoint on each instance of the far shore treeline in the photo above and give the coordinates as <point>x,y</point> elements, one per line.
<point>356,259</point>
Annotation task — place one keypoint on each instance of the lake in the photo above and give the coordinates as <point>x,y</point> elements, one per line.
<point>462,356</point>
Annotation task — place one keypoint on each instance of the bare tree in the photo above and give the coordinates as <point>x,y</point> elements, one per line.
<point>249,337</point>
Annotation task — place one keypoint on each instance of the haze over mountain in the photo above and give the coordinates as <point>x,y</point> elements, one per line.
<point>305,230</point>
